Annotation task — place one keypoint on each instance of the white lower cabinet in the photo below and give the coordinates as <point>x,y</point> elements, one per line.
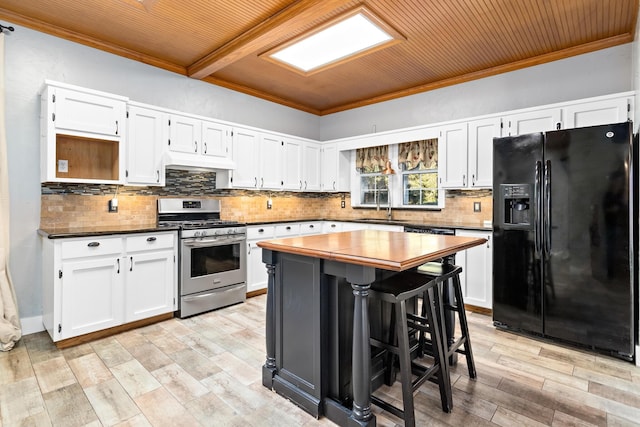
<point>95,283</point>
<point>256,270</point>
<point>477,270</point>
<point>150,276</point>
<point>91,296</point>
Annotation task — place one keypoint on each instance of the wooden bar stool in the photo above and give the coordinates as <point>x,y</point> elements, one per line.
<point>443,273</point>
<point>397,290</point>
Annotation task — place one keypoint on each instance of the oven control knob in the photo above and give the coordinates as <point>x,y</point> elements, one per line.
<point>203,233</point>
<point>231,231</point>
<point>196,234</point>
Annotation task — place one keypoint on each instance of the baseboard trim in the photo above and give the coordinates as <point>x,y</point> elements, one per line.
<point>31,325</point>
<point>476,309</point>
<point>256,293</point>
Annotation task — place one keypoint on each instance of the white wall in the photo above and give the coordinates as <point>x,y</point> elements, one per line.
<point>30,58</point>
<point>599,73</point>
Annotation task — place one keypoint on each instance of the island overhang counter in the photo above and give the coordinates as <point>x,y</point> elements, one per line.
<point>317,322</point>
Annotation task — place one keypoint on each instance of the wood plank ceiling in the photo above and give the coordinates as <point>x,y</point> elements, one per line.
<point>447,41</point>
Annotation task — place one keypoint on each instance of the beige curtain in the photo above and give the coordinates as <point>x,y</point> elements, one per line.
<point>371,159</point>
<point>418,155</point>
<point>10,331</point>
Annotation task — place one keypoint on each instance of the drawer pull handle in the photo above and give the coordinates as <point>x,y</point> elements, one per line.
<point>130,263</point>
<point>288,228</point>
<point>261,230</point>
<point>93,244</point>
<point>151,239</point>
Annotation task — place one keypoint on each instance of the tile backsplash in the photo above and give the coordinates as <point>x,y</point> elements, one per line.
<point>84,205</point>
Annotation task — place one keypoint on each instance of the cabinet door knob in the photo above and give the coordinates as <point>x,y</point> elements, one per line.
<point>151,239</point>
<point>93,244</point>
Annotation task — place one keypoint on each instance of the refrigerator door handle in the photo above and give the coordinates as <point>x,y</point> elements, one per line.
<point>538,211</point>
<point>547,216</point>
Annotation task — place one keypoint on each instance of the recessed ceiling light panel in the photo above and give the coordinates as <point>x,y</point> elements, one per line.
<point>345,37</point>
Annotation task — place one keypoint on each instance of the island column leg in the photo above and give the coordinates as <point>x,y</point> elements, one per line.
<point>269,368</point>
<point>361,279</point>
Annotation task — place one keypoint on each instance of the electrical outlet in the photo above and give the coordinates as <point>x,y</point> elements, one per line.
<point>342,204</point>
<point>476,207</point>
<point>63,166</point>
<point>269,203</point>
<point>113,205</point>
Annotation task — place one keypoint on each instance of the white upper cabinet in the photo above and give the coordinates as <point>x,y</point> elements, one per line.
<point>185,134</point>
<point>146,137</point>
<point>88,113</point>
<point>335,169</point>
<point>595,113</point>
<point>480,167</point>
<point>270,159</point>
<point>82,135</point>
<point>215,139</point>
<point>542,120</point>
<point>329,167</point>
<point>258,157</point>
<point>311,166</point>
<point>292,167</point>
<point>246,143</point>
<point>452,156</point>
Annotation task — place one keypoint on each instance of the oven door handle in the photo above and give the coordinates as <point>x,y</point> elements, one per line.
<point>218,241</point>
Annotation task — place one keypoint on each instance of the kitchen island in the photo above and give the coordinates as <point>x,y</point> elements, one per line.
<point>318,324</point>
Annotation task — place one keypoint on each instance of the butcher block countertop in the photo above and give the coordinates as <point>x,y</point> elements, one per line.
<point>389,250</point>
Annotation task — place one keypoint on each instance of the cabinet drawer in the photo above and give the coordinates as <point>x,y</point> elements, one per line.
<point>287,230</point>
<point>260,232</point>
<point>150,242</point>
<point>311,227</point>
<point>91,247</point>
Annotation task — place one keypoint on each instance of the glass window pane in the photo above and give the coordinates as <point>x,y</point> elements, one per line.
<point>420,189</point>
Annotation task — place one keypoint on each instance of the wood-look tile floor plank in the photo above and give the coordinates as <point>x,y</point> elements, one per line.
<point>206,371</point>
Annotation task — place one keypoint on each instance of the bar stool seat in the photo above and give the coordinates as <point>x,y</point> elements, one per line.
<point>397,290</point>
<point>442,273</point>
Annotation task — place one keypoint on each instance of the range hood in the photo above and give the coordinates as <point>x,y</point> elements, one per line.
<point>188,161</point>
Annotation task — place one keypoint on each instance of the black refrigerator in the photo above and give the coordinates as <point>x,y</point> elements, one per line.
<point>565,236</point>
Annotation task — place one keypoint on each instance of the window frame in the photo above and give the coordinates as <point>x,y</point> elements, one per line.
<point>395,185</point>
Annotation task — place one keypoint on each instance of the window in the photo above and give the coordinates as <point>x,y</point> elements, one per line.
<point>374,186</point>
<point>374,189</point>
<point>418,161</point>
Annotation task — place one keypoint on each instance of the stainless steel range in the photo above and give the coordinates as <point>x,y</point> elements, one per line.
<point>212,266</point>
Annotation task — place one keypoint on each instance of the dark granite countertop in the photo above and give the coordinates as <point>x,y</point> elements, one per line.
<point>409,223</point>
<point>66,232</point>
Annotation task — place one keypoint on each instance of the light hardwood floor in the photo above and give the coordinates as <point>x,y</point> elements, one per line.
<point>206,371</point>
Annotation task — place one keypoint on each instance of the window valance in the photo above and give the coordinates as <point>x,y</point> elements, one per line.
<point>371,159</point>
<point>419,155</point>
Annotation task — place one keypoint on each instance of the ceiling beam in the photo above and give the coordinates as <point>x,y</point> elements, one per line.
<point>282,23</point>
